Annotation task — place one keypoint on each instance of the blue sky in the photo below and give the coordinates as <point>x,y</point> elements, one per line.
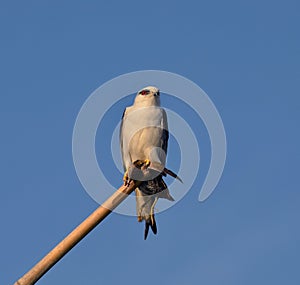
<point>245,55</point>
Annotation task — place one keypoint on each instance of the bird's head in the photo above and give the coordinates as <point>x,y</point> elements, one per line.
<point>148,96</point>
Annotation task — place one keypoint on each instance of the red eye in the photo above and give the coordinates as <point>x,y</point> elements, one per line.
<point>144,92</point>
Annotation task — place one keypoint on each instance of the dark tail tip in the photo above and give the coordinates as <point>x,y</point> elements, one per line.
<point>153,227</point>
<point>147,224</point>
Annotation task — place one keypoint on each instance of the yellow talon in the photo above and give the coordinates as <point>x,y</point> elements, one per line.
<point>142,164</point>
<point>147,162</point>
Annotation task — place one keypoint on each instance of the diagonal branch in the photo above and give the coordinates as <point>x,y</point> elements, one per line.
<point>36,272</point>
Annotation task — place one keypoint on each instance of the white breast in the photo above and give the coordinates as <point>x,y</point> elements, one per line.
<point>142,132</point>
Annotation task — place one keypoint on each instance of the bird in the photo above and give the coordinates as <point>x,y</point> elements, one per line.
<point>144,139</point>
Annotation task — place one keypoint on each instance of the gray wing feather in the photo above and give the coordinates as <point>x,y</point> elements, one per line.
<point>165,132</point>
<point>121,140</point>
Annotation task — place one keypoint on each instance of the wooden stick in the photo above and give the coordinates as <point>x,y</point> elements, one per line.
<point>36,272</point>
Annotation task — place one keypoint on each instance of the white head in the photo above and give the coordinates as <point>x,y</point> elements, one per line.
<point>148,96</point>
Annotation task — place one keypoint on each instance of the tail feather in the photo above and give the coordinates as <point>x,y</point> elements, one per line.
<point>153,225</point>
<point>146,230</point>
<point>147,194</point>
<point>150,223</point>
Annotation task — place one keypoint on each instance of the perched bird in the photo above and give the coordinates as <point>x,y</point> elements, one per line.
<point>144,142</point>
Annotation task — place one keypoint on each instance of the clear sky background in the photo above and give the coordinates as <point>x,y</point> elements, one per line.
<point>244,54</point>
